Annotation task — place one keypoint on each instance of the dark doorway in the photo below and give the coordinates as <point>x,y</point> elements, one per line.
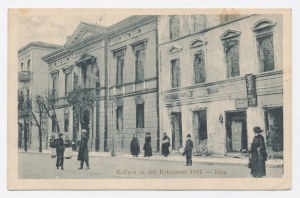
<point>236,131</point>
<point>274,129</point>
<point>200,126</point>
<point>176,130</point>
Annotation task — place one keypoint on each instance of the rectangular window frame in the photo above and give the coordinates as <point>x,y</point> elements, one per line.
<point>228,66</point>
<point>258,37</point>
<point>172,34</point>
<point>201,51</point>
<point>171,74</point>
<point>119,111</point>
<point>140,116</point>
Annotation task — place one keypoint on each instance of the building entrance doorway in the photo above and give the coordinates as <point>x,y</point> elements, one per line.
<point>200,126</point>
<point>236,131</point>
<point>274,129</point>
<point>176,130</point>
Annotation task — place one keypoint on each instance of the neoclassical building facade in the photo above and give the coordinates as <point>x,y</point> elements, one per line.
<point>212,76</point>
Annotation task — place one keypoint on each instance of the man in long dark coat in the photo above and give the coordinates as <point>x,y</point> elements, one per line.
<point>189,145</point>
<point>135,146</point>
<point>83,154</point>
<point>60,149</point>
<point>165,145</point>
<point>258,154</point>
<point>147,146</point>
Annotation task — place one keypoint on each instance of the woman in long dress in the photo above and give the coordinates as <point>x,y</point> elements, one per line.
<point>135,146</point>
<point>147,146</point>
<point>258,154</point>
<point>68,148</point>
<point>52,142</point>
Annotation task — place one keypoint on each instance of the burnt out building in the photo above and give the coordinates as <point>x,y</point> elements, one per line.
<point>220,76</point>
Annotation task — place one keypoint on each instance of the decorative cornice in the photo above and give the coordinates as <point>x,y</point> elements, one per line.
<point>263,24</point>
<point>174,49</point>
<point>40,45</point>
<point>141,42</point>
<point>230,33</point>
<point>130,23</point>
<point>197,43</point>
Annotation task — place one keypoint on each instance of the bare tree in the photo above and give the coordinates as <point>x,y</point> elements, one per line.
<point>24,105</point>
<point>38,116</point>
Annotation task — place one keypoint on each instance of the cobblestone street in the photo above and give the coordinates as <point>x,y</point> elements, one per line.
<point>42,166</point>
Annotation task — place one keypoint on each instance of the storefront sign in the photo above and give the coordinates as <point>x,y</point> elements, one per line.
<point>241,103</point>
<point>212,90</point>
<point>251,90</point>
<point>176,96</point>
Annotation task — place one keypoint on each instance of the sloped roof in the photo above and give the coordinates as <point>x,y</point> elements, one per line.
<point>83,30</point>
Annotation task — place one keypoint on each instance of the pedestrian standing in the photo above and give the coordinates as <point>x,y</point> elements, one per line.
<point>258,154</point>
<point>83,155</point>
<point>165,145</point>
<point>60,149</point>
<point>52,143</point>
<point>189,145</point>
<point>135,146</point>
<point>68,148</point>
<point>147,146</point>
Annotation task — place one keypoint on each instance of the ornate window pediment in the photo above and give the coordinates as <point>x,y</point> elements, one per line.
<point>230,34</point>
<point>174,49</point>
<point>263,24</point>
<point>119,52</point>
<point>197,43</point>
<point>86,58</point>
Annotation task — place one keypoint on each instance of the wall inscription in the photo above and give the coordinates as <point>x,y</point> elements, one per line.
<point>181,95</point>
<point>212,90</point>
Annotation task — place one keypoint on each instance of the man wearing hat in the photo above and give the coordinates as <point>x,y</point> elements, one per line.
<point>83,155</point>
<point>60,149</point>
<point>189,145</point>
<point>258,154</point>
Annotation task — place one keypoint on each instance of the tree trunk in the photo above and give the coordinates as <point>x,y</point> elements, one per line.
<point>40,138</point>
<point>25,135</point>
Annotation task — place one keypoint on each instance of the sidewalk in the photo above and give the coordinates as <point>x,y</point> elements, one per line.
<point>217,159</point>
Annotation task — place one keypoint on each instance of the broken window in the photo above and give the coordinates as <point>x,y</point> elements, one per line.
<point>174,26</point>
<point>140,116</point>
<point>231,48</point>
<point>266,53</point>
<point>199,67</point>
<point>175,73</point>
<point>119,113</point>
<point>120,67</point>
<point>198,23</point>
<point>139,64</point>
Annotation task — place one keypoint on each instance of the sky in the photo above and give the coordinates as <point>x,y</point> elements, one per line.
<point>55,27</point>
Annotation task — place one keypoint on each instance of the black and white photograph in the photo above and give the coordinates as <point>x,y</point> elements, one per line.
<point>150,95</point>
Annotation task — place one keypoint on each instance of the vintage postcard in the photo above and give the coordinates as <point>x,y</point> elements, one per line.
<point>162,99</point>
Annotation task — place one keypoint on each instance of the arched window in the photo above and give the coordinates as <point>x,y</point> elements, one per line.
<point>22,67</point>
<point>28,65</point>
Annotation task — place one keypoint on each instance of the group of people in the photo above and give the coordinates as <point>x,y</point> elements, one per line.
<point>60,147</point>
<point>257,157</point>
<point>135,147</point>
